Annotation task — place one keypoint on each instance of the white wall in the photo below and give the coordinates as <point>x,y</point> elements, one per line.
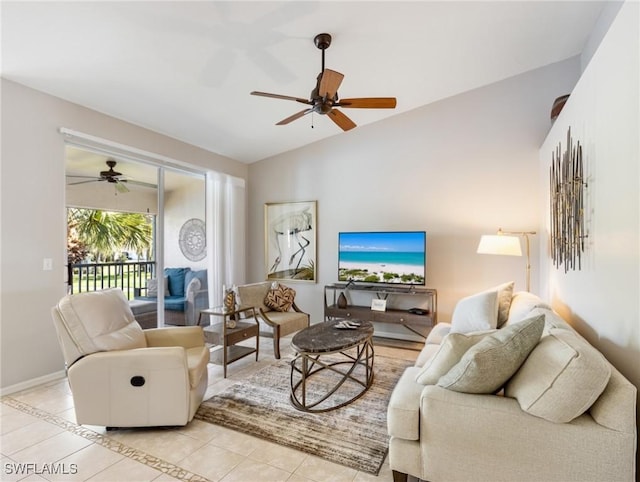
<point>181,205</point>
<point>458,169</point>
<point>602,300</point>
<point>33,219</point>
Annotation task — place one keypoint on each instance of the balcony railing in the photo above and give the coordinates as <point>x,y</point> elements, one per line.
<point>129,276</point>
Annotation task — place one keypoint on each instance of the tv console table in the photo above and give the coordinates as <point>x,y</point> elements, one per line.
<point>349,300</point>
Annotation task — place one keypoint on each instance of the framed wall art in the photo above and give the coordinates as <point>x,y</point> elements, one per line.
<point>290,241</point>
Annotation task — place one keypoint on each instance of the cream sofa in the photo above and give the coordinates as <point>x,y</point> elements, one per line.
<point>565,415</point>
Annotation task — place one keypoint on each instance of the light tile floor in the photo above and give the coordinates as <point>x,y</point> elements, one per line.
<point>39,436</point>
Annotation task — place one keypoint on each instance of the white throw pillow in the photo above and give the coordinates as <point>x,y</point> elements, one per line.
<point>561,379</point>
<point>488,364</point>
<point>152,287</point>
<point>451,350</point>
<point>478,312</point>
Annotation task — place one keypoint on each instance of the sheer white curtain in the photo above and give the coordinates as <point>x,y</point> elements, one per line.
<point>226,246</point>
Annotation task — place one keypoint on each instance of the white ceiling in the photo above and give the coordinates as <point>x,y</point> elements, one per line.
<point>185,69</point>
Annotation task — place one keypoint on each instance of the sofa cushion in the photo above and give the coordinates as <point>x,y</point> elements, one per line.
<point>280,298</point>
<point>477,312</point>
<point>450,351</point>
<point>427,352</point>
<point>561,379</point>
<point>174,303</point>
<point>488,364</point>
<point>176,280</point>
<point>551,319</point>
<point>522,303</point>
<point>432,343</point>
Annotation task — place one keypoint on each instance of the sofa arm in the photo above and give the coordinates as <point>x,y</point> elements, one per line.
<point>180,336</point>
<point>494,436</point>
<point>437,333</point>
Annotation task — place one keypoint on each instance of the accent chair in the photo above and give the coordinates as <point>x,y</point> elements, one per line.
<point>123,376</point>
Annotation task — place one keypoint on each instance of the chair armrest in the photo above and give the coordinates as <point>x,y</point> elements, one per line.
<point>193,295</point>
<point>181,336</point>
<point>163,357</point>
<point>263,314</point>
<point>295,308</point>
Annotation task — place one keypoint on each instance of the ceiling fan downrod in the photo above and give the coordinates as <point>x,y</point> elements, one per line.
<point>322,41</point>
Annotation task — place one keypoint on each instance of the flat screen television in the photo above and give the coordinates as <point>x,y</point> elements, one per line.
<point>397,257</point>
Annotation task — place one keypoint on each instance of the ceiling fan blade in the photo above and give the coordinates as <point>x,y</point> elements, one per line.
<point>341,120</point>
<point>369,103</point>
<point>84,182</point>
<point>140,183</point>
<point>120,187</point>
<point>293,117</point>
<point>329,83</point>
<point>83,177</point>
<point>285,97</point>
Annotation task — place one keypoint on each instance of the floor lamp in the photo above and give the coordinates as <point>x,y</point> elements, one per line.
<point>507,243</point>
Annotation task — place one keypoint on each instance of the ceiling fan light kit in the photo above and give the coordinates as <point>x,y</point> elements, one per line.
<point>324,97</point>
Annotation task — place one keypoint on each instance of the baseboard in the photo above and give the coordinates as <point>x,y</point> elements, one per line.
<point>34,382</point>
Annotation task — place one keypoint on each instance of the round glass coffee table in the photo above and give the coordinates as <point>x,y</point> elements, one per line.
<point>328,358</point>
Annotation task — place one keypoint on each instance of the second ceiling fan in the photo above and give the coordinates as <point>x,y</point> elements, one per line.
<point>324,97</point>
<point>111,176</point>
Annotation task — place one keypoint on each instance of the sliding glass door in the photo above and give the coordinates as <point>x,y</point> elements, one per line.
<point>139,226</point>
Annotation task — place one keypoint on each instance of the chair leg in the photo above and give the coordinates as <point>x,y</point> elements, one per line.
<point>276,342</point>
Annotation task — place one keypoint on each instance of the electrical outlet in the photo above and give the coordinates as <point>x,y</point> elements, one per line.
<point>47,264</point>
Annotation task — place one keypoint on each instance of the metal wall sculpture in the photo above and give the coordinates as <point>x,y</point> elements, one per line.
<point>567,190</point>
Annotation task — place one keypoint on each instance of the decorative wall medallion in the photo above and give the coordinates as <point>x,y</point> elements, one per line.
<point>193,239</point>
<point>567,188</point>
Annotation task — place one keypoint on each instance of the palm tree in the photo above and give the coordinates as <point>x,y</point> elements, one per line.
<point>106,233</point>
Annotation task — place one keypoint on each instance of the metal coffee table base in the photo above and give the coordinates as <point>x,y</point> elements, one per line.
<point>309,364</point>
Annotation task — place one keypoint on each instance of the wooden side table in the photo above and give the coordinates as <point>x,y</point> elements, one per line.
<point>220,333</point>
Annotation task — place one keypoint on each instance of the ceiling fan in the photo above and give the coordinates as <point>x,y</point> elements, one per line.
<point>324,97</point>
<point>111,176</point>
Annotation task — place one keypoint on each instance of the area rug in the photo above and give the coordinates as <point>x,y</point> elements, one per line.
<point>354,435</point>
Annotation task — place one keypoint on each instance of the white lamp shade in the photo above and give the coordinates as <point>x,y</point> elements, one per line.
<point>500,244</point>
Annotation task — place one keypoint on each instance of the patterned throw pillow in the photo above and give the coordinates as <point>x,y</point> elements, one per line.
<point>280,298</point>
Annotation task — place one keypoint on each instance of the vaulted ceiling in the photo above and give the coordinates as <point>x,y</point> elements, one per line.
<point>185,69</point>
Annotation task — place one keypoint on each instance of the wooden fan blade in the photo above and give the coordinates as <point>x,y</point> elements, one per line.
<point>369,103</point>
<point>341,120</point>
<point>284,97</point>
<point>295,116</point>
<point>329,83</point>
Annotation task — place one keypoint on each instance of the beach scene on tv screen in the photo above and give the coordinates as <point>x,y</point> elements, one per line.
<point>397,257</point>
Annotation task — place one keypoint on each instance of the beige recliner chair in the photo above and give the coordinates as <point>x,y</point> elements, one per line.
<point>122,376</point>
